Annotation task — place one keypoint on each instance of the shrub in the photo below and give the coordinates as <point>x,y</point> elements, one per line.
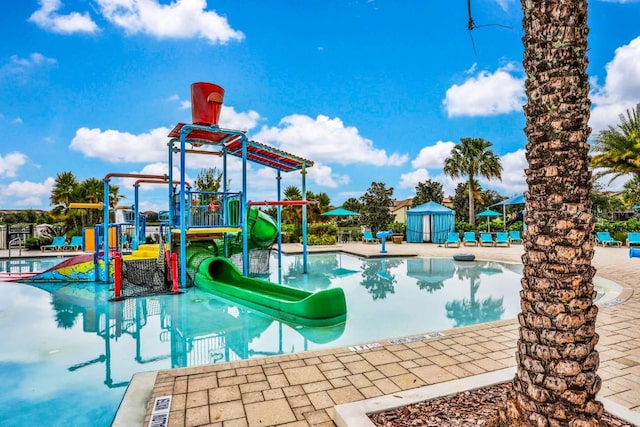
<point>463,226</point>
<point>35,243</point>
<point>326,239</point>
<point>398,228</point>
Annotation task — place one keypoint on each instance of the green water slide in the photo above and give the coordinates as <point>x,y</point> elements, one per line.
<point>221,277</point>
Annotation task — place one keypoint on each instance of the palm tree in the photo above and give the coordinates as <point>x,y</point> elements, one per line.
<point>617,150</point>
<point>473,157</point>
<point>556,381</point>
<point>65,187</point>
<point>293,214</point>
<point>92,190</point>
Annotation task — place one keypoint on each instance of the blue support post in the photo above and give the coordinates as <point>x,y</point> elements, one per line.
<point>304,221</point>
<point>105,228</point>
<point>245,211</point>
<point>136,235</point>
<point>183,225</point>
<point>279,197</point>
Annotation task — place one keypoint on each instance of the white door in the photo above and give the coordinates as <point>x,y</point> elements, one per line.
<point>426,228</point>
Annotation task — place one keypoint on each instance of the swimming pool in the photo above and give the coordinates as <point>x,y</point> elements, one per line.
<point>67,354</point>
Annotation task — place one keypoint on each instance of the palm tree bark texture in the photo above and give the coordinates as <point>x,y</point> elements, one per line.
<point>556,381</point>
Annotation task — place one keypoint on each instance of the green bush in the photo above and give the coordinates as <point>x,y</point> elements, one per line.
<point>322,229</point>
<point>34,242</point>
<point>398,228</point>
<point>516,226</point>
<point>313,240</point>
<point>463,226</point>
<point>290,233</point>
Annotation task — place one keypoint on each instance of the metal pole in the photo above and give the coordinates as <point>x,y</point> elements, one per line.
<point>105,229</point>
<point>183,231</point>
<point>304,221</point>
<point>245,211</point>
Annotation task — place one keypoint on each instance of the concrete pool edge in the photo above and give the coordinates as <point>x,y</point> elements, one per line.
<point>355,414</point>
<point>133,406</point>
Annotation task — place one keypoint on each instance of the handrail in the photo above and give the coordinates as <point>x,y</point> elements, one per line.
<point>16,239</point>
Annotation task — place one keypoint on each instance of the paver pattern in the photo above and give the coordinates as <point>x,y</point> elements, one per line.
<point>301,389</point>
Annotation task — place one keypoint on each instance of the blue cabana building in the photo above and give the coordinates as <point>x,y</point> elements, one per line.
<point>430,222</point>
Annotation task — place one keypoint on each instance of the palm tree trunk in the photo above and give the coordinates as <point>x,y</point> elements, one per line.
<point>556,381</point>
<point>472,204</point>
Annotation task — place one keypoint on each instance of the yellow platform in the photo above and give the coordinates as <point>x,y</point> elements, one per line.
<point>144,251</point>
<point>204,233</point>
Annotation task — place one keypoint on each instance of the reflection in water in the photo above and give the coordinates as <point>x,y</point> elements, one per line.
<point>430,273</point>
<point>472,311</point>
<point>377,278</point>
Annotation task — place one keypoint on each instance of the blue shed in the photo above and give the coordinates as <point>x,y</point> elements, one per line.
<point>430,222</point>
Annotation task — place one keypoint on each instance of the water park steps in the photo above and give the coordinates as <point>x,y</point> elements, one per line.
<point>144,251</point>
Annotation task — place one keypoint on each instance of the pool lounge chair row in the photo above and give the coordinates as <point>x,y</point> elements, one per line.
<point>604,238</point>
<point>486,239</point>
<point>59,243</point>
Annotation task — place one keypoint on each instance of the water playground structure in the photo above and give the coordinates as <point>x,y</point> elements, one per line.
<point>212,240</point>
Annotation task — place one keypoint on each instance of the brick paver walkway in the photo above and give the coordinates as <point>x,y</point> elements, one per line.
<point>301,389</point>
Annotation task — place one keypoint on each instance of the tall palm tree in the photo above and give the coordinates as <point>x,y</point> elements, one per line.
<point>472,158</point>
<point>617,150</point>
<point>556,381</point>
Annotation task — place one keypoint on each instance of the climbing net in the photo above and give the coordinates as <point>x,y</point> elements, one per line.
<point>142,277</point>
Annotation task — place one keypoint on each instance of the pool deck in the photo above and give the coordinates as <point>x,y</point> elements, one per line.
<point>303,389</point>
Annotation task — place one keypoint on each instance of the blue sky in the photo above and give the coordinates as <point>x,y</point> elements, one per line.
<point>370,90</point>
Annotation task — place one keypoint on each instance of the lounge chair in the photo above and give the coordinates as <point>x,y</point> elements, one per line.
<point>469,238</point>
<point>56,244</point>
<point>502,238</point>
<point>486,239</point>
<point>633,238</point>
<point>605,239</point>
<point>453,239</point>
<point>514,236</point>
<point>74,245</point>
<point>367,237</point>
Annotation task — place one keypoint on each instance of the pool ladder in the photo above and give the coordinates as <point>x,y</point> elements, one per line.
<point>16,242</point>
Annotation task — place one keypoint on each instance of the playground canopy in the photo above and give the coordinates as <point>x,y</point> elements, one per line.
<point>515,200</point>
<point>429,222</point>
<point>231,142</point>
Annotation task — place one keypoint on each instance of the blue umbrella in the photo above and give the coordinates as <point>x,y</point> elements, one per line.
<point>340,212</point>
<point>488,214</point>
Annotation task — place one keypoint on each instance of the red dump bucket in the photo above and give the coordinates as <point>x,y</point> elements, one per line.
<point>206,103</point>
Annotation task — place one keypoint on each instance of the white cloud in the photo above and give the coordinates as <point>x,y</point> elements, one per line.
<point>487,94</point>
<point>504,4</point>
<point>326,140</point>
<point>179,19</point>
<point>513,177</point>
<point>231,119</point>
<point>433,156</point>
<point>621,89</point>
<point>27,194</point>
<point>11,162</point>
<point>22,68</point>
<point>47,19</point>
<point>115,147</point>
<point>411,179</point>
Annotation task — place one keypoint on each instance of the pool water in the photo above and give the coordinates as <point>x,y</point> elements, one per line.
<point>67,354</point>
<point>29,265</point>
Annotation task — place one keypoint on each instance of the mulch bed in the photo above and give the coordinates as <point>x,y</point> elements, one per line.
<point>465,409</point>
